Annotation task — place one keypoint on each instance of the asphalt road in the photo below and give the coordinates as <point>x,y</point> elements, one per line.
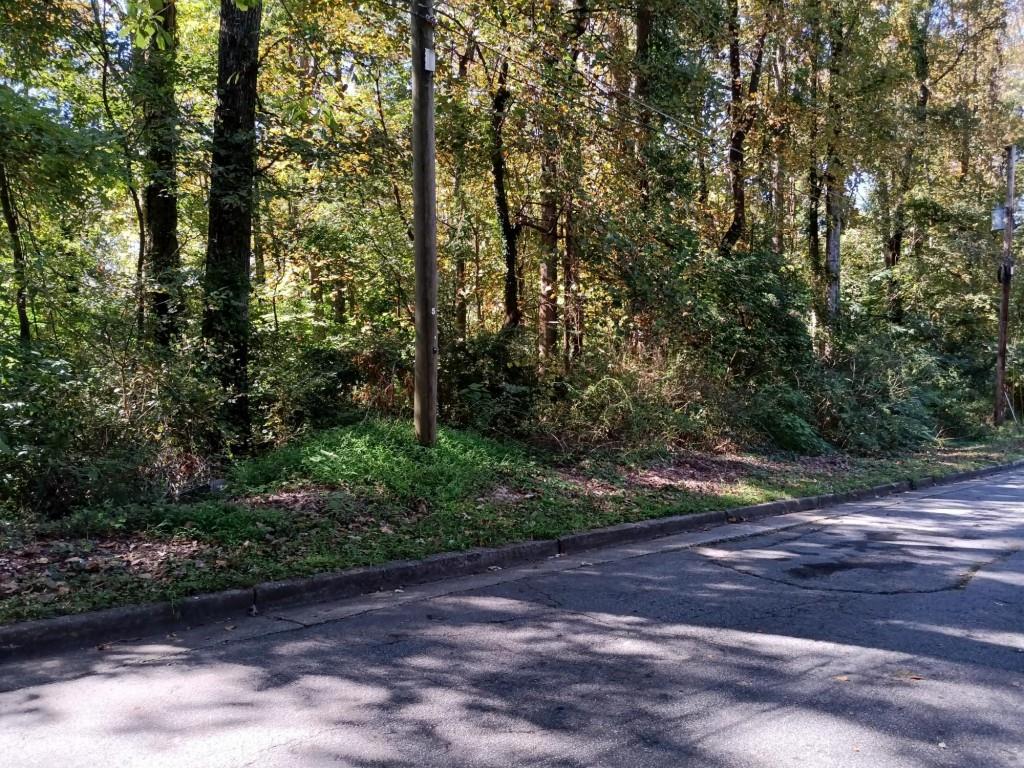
<point>888,633</point>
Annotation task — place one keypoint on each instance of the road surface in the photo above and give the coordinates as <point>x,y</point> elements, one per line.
<point>887,633</point>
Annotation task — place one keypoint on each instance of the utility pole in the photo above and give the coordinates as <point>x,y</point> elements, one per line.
<point>1005,276</point>
<point>424,220</point>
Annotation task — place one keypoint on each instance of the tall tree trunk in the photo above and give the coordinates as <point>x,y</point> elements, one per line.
<point>834,193</point>
<point>127,154</point>
<point>548,309</point>
<point>553,191</point>
<point>741,120</point>
<point>316,293</point>
<point>619,71</point>
<point>460,246</point>
<point>259,259</point>
<point>161,196</point>
<point>461,307</point>
<point>339,302</point>
<point>642,89</point>
<point>573,344</point>
<point>920,26</point>
<point>781,138</point>
<point>814,174</point>
<point>835,173</point>
<point>461,288</point>
<point>509,230</point>
<point>814,236</point>
<point>14,230</point>
<point>229,241</point>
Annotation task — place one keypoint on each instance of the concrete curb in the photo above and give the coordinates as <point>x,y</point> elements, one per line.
<point>28,638</point>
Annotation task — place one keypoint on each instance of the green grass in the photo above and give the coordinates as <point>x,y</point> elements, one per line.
<point>382,457</point>
<point>367,493</point>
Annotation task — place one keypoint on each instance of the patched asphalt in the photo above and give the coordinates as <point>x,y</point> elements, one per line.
<point>883,633</point>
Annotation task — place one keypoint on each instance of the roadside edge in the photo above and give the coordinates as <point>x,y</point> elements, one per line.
<point>29,638</point>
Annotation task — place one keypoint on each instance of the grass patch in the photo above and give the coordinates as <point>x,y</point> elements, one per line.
<point>367,493</point>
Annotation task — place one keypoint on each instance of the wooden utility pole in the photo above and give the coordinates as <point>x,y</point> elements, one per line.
<point>1005,276</point>
<point>424,220</point>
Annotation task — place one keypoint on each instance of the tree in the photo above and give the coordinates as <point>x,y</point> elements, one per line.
<point>18,252</point>
<point>499,169</point>
<point>742,114</point>
<point>160,117</point>
<point>229,240</point>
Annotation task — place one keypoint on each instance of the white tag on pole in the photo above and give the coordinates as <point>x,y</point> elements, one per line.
<point>428,59</point>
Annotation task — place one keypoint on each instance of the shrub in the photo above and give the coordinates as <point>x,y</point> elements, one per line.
<point>783,414</point>
<point>99,429</point>
<point>490,383</point>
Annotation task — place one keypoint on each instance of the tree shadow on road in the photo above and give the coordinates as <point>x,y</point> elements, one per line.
<point>699,658</point>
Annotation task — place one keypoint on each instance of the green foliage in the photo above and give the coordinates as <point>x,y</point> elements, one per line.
<point>751,313</point>
<point>303,387</point>
<point>684,343</point>
<point>382,457</point>
<point>96,430</point>
<point>490,382</point>
<point>637,401</point>
<point>784,415</point>
<point>885,393</point>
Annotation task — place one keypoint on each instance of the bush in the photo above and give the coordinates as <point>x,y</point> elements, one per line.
<point>304,387</point>
<point>879,395</point>
<point>95,429</point>
<point>644,399</point>
<point>783,414</point>
<point>490,383</point>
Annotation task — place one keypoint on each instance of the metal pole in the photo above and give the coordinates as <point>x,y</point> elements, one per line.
<point>424,220</point>
<point>1005,276</point>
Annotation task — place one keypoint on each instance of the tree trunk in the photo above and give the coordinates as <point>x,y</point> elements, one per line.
<point>460,246</point>
<point>14,230</point>
<point>127,155</point>
<point>918,33</point>
<point>161,197</point>
<point>509,230</point>
<point>834,230</point>
<point>553,192</point>
<point>642,65</point>
<point>461,309</point>
<point>259,260</point>
<point>338,300</point>
<point>573,344</point>
<point>229,242</point>
<point>548,309</point>
<point>316,292</point>
<point>741,120</point>
<point>835,175</point>
<point>778,166</point>
<point>814,176</point>
<point>814,236</point>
